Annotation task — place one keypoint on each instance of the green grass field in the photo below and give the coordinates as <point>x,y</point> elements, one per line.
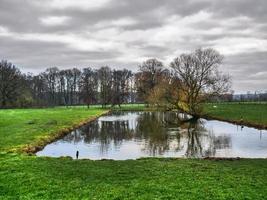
<point>29,177</point>
<point>20,128</point>
<point>251,113</point>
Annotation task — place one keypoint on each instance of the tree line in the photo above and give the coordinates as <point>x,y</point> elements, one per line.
<point>55,87</point>
<point>187,82</point>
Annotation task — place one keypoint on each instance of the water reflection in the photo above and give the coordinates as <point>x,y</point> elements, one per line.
<point>129,135</point>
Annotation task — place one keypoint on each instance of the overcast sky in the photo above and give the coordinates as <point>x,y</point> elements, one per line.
<point>36,34</point>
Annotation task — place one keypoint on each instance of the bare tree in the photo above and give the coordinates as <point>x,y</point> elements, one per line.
<point>105,84</point>
<point>199,78</point>
<point>62,92</point>
<point>120,86</point>
<point>76,73</point>
<point>89,86</point>
<point>69,79</point>
<point>51,77</point>
<point>10,83</point>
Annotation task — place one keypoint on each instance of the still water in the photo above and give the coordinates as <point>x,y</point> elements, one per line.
<point>131,135</point>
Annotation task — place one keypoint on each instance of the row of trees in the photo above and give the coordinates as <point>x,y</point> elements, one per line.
<point>63,87</point>
<point>185,84</point>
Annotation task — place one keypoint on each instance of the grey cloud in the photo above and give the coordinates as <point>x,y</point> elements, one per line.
<point>248,70</point>
<point>158,31</point>
<point>250,8</point>
<point>35,55</point>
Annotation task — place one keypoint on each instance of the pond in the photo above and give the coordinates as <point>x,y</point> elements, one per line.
<point>132,135</point>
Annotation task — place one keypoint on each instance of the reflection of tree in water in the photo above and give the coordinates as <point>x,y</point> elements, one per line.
<point>150,127</point>
<point>158,130</point>
<point>202,142</point>
<point>106,133</point>
<point>195,136</point>
<point>199,142</point>
<point>222,142</point>
<point>75,136</point>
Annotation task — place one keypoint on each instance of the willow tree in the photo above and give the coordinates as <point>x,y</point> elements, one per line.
<point>199,78</point>
<point>149,76</point>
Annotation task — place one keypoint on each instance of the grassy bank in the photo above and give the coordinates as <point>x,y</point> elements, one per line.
<point>30,177</point>
<point>252,114</point>
<point>22,129</point>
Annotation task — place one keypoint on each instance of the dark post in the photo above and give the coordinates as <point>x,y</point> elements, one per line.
<point>77,154</point>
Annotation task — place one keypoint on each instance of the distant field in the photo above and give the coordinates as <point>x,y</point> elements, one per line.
<point>255,113</point>
<point>130,106</point>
